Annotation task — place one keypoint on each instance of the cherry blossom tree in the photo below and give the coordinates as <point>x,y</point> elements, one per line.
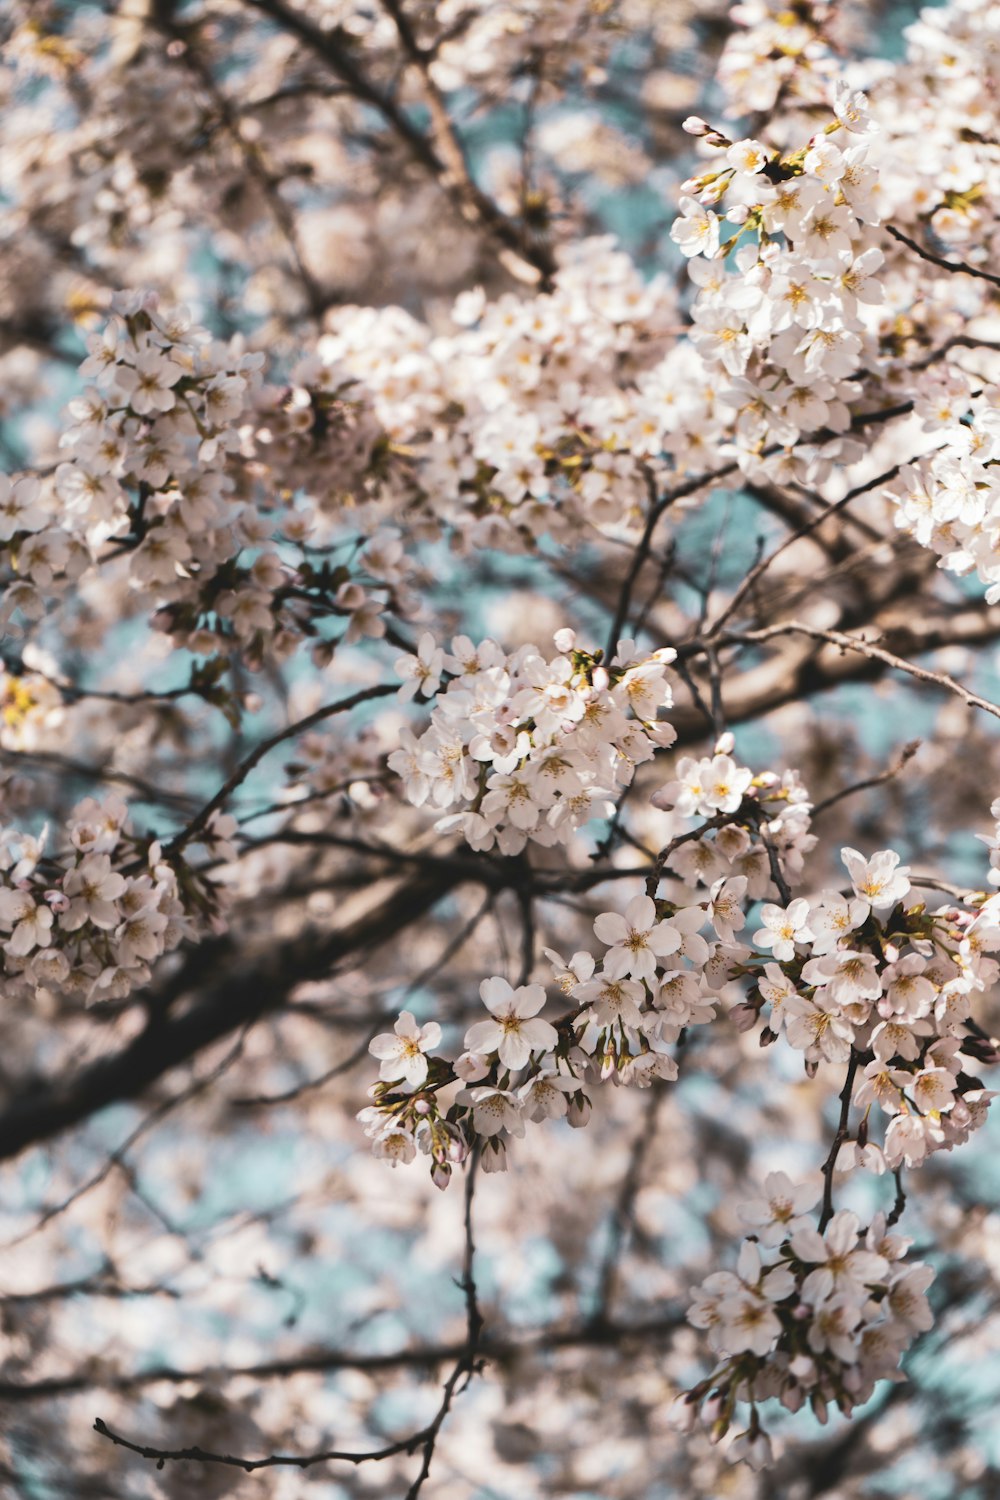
<point>499,789</point>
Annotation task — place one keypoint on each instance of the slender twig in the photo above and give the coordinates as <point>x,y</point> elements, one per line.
<point>242,771</point>
<point>657,507</point>
<point>760,568</point>
<point>831,1161</point>
<point>960,266</point>
<point>875,653</point>
<point>425,1439</point>
<point>904,757</point>
<point>251,1465</point>
<point>623,1214</point>
<point>466,1364</point>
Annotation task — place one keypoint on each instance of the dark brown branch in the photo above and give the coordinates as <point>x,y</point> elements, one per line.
<point>251,1465</point>
<point>466,1364</point>
<point>246,991</point>
<point>501,1351</point>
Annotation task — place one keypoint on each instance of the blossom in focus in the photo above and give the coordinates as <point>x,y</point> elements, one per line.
<point>402,1051</point>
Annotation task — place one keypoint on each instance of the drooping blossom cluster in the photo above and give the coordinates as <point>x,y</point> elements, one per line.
<point>630,1005</point>
<point>886,985</point>
<point>950,501</point>
<point>809,1317</point>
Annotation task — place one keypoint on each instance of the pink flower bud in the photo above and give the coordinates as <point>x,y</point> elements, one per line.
<point>579,1111</point>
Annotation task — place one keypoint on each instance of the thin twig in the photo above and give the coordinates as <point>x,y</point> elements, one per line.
<point>760,568</point>
<point>829,1165</point>
<point>904,757</point>
<point>960,266</point>
<point>343,705</point>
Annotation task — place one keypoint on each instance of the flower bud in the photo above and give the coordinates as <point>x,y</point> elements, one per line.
<point>440,1174</point>
<point>579,1111</point>
<point>681,1414</point>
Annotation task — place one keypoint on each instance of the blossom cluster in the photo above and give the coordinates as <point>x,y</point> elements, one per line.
<point>216,491</point>
<point>790,331</point>
<point>809,1317</point>
<point>531,416</point>
<point>950,501</point>
<point>656,976</point>
<point>530,747</point>
<point>868,979</point>
<point>93,920</point>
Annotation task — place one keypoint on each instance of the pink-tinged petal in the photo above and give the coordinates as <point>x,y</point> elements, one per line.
<point>842,1232</point>
<point>809,1244</point>
<point>496,995</point>
<point>523,814</point>
<point>617,963</point>
<point>640,913</point>
<point>806,1195</point>
<point>416,1070</point>
<point>407,1026</point>
<point>22,940</point>
<point>663,939</point>
<point>778,1284</point>
<point>817,1286</point>
<point>539,1035</point>
<point>868,1267</point>
<point>528,1000</point>
<point>611,928</point>
<point>484,1036</point>
<point>430,1034</point>
<point>514,1049</point>
<point>384,1046</point>
<point>643,964</point>
<point>748,1264</point>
